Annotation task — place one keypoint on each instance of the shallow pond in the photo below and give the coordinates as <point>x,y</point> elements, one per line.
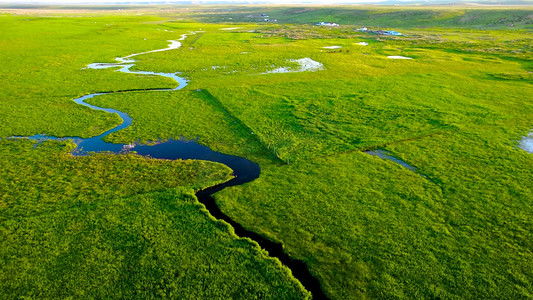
<point>305,65</point>
<point>526,143</point>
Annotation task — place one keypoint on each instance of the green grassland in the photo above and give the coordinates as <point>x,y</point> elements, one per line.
<point>43,61</point>
<point>105,226</point>
<point>123,227</point>
<point>366,227</point>
<point>400,16</point>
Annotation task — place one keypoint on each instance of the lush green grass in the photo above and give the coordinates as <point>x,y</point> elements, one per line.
<point>366,227</point>
<point>47,178</point>
<point>375,229</point>
<point>106,226</point>
<point>362,224</point>
<point>183,114</point>
<point>42,71</point>
<point>121,226</point>
<point>378,230</point>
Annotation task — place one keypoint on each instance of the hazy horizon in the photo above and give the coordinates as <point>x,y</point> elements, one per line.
<point>296,2</point>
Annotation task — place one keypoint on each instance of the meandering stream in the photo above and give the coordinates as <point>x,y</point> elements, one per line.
<point>243,169</point>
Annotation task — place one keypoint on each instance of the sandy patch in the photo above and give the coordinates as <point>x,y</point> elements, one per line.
<point>332,47</point>
<point>230,28</point>
<point>362,43</point>
<point>399,57</point>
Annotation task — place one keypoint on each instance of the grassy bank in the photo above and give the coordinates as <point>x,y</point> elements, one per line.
<point>121,226</point>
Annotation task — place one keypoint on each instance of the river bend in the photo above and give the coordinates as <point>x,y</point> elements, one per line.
<point>244,170</point>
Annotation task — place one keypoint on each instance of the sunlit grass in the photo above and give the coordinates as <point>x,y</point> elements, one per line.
<point>366,227</point>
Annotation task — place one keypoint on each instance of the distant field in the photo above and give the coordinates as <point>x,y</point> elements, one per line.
<point>458,227</point>
<point>481,17</point>
<point>399,16</point>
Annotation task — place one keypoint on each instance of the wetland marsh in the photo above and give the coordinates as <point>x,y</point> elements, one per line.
<point>128,225</point>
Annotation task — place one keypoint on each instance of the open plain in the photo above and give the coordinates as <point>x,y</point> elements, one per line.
<point>386,178</point>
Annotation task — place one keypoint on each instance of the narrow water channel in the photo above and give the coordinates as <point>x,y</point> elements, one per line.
<point>244,170</point>
<point>388,156</point>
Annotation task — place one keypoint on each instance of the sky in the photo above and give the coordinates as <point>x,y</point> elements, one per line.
<point>210,1</point>
<point>191,1</point>
<point>245,1</point>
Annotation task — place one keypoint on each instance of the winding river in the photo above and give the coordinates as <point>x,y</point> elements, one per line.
<point>243,169</point>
